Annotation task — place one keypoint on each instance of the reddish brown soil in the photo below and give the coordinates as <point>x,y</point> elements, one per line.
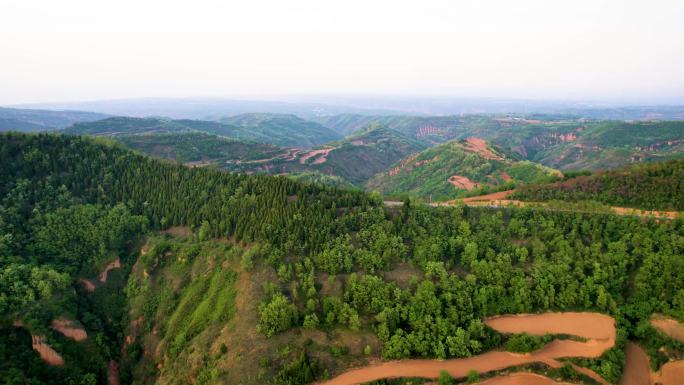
<point>522,379</point>
<point>489,197</point>
<point>669,326</point>
<point>504,175</point>
<point>462,182</point>
<point>402,165</point>
<point>638,370</point>
<point>322,156</point>
<point>87,284</point>
<point>69,329</point>
<point>46,352</point>
<point>480,146</point>
<point>672,373</point>
<point>113,373</point>
<point>598,329</point>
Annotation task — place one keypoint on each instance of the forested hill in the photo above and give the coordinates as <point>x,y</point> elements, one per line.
<point>651,186</point>
<point>278,282</point>
<point>456,168</point>
<point>281,131</point>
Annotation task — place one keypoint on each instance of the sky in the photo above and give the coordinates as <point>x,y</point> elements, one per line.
<point>72,50</point>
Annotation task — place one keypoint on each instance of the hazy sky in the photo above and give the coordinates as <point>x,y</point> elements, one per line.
<point>95,49</point>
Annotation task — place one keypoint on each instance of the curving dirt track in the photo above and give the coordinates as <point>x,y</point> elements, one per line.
<point>522,379</point>
<point>598,329</point>
<point>638,369</point>
<point>670,326</point>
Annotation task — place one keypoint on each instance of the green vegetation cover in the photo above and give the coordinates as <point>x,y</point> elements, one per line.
<point>266,280</point>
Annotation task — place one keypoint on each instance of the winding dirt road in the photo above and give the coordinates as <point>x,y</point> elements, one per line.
<point>597,329</point>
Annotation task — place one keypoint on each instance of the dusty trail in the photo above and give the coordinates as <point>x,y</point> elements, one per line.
<point>598,329</point>
<point>499,199</point>
<point>522,379</point>
<point>670,326</point>
<point>638,369</point>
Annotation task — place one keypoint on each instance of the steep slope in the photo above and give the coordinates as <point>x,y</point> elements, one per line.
<point>453,169</point>
<point>29,120</point>
<point>653,186</point>
<point>282,129</point>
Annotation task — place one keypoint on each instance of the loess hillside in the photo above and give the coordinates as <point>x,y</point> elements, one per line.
<point>191,275</point>
<point>457,168</point>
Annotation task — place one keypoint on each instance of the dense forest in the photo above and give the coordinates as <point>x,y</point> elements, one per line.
<point>652,186</point>
<point>318,263</point>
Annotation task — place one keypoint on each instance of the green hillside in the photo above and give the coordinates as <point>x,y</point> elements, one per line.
<point>456,168</point>
<point>653,186</point>
<point>198,147</point>
<point>282,129</point>
<point>230,278</point>
<point>354,159</point>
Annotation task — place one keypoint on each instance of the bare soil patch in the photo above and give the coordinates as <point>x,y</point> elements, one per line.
<point>321,154</point>
<point>669,326</point>
<point>489,197</point>
<point>479,146</point>
<point>522,379</point>
<point>638,370</point>
<point>462,182</point>
<point>46,352</point>
<point>115,264</point>
<point>69,329</point>
<point>178,231</point>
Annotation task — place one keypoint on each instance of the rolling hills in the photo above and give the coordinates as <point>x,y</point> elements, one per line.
<point>281,129</point>
<point>561,142</point>
<point>455,168</point>
<point>32,120</point>
<point>354,159</point>
<point>286,130</point>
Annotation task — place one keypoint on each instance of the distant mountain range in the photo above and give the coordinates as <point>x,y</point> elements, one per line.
<point>320,105</point>
<point>14,119</point>
<point>363,150</point>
